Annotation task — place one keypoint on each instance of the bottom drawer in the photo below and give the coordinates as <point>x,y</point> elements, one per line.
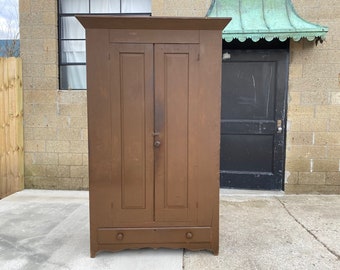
<point>153,235</point>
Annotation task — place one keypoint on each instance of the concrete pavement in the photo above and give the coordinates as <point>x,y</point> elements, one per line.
<point>42,229</point>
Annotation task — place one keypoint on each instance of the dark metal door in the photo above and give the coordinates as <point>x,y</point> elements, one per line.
<point>253,118</point>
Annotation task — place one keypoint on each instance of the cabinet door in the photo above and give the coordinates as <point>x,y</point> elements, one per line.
<point>176,77</point>
<point>132,109</point>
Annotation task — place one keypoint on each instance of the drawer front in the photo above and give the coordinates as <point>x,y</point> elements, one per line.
<point>153,235</point>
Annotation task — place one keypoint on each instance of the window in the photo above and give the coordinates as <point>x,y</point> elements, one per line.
<point>72,55</point>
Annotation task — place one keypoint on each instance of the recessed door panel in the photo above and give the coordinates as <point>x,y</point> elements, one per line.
<point>132,127</point>
<point>175,67</point>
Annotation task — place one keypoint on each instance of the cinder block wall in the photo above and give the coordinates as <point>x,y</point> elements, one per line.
<point>55,122</point>
<point>313,137</point>
<point>180,7</point>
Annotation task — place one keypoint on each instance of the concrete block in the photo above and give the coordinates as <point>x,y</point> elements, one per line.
<point>40,120</point>
<point>314,178</point>
<point>296,111</point>
<point>308,98</point>
<point>39,96</point>
<point>323,71</point>
<point>85,159</point>
<point>70,183</point>
<point>191,12</point>
<point>313,124</point>
<point>300,138</point>
<point>33,70</point>
<point>24,7</point>
<point>27,83</point>
<point>35,120</point>
<point>49,18</point>
<point>294,98</point>
<point>78,122</point>
<point>50,44</point>
<point>43,133</point>
<point>46,158</point>
<point>312,189</point>
<point>157,7</point>
<point>34,146</point>
<point>69,134</point>
<point>51,70</point>
<point>298,165</point>
<point>326,165</point>
<point>306,152</point>
<point>327,111</point>
<point>30,18</point>
<point>292,178</point>
<point>291,189</point>
<point>57,146</point>
<point>28,133</point>
<point>71,159</point>
<point>28,108</point>
<point>72,97</point>
<point>85,183</point>
<point>335,99</point>
<point>295,70</point>
<point>333,152</point>
<point>44,83</point>
<point>79,171</point>
<point>45,31</point>
<point>44,5</point>
<point>29,158</point>
<point>35,170</point>
<point>79,147</point>
<point>35,182</point>
<point>71,109</point>
<point>57,171</point>
<point>333,178</point>
<point>327,138</point>
<point>45,109</point>
<point>84,134</point>
<point>50,57</point>
<point>312,84</point>
<point>63,121</point>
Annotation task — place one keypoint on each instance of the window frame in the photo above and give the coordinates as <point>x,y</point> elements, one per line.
<point>61,15</point>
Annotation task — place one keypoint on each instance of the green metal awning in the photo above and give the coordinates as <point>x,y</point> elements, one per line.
<point>268,19</point>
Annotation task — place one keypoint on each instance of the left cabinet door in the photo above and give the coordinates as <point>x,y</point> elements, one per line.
<point>132,121</point>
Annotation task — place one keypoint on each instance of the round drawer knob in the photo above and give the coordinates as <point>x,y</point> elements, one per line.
<point>120,236</point>
<point>189,235</point>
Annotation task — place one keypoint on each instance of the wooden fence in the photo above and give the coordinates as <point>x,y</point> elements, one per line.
<point>11,127</point>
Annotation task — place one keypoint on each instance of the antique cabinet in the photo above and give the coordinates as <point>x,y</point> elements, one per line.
<point>154,122</point>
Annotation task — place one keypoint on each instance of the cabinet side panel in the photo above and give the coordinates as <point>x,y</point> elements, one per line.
<point>99,128</point>
<point>99,107</point>
<point>209,113</point>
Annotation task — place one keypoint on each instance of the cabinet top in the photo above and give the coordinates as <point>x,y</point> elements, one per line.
<point>150,22</point>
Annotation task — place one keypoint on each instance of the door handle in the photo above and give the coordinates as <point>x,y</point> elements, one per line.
<point>157,144</point>
<point>279,128</point>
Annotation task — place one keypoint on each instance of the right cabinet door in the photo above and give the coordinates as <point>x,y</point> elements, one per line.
<point>176,76</point>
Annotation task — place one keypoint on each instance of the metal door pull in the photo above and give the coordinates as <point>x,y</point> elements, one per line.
<point>157,144</point>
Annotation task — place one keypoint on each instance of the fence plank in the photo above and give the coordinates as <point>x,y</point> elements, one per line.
<point>11,127</point>
<point>3,180</point>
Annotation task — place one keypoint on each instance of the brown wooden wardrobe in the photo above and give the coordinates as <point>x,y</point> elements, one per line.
<point>154,87</point>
